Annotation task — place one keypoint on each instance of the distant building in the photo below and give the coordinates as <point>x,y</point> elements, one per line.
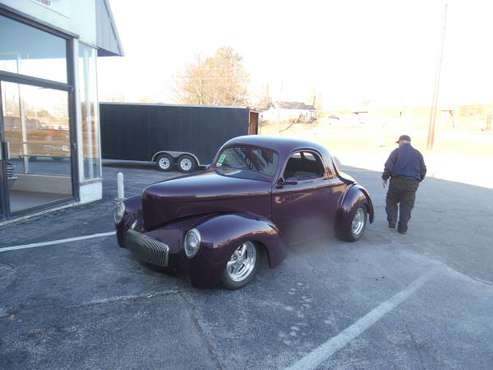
<point>289,112</point>
<point>50,151</point>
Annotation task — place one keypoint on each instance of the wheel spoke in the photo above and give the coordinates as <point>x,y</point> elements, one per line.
<point>242,262</point>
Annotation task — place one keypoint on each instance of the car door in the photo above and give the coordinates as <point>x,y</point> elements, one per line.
<point>304,198</point>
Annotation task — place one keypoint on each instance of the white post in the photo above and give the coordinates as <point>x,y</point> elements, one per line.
<point>120,186</point>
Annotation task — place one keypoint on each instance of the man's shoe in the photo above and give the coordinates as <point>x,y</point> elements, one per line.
<point>401,230</point>
<point>391,225</point>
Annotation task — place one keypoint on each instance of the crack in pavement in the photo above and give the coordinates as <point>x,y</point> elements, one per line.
<point>8,312</point>
<point>201,332</point>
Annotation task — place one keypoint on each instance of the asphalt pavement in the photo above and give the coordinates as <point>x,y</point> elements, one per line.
<point>419,301</point>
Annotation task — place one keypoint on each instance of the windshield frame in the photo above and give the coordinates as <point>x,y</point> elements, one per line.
<point>234,145</point>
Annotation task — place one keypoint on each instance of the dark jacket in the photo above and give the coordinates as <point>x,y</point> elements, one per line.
<point>406,162</point>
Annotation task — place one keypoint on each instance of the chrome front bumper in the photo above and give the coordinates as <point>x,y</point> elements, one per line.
<point>146,249</point>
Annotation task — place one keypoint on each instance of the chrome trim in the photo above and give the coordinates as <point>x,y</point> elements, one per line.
<point>199,237</point>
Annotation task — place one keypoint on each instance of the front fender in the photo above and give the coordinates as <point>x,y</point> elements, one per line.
<point>222,234</point>
<point>354,194</point>
<point>133,212</point>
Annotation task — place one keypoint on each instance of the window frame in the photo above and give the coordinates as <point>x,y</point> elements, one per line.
<point>68,86</point>
<point>314,153</point>
<point>80,132</point>
<point>267,177</point>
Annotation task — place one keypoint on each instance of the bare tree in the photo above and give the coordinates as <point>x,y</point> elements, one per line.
<point>218,80</point>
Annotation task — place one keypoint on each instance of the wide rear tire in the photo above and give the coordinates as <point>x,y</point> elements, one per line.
<point>355,227</point>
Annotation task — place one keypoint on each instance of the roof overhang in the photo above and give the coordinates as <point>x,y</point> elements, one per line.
<point>108,41</point>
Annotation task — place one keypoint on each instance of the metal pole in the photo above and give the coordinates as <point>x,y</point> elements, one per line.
<point>436,88</point>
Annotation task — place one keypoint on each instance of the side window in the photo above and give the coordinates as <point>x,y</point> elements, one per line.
<point>303,166</point>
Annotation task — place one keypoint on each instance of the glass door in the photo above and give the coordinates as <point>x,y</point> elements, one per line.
<point>3,168</point>
<point>36,132</point>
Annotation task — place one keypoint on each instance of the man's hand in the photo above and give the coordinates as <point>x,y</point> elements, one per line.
<point>384,183</point>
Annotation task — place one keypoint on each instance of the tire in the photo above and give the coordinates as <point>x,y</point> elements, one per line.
<point>186,163</point>
<point>164,162</point>
<point>241,266</point>
<point>355,229</point>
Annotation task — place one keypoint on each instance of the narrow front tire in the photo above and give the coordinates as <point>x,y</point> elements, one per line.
<point>241,266</point>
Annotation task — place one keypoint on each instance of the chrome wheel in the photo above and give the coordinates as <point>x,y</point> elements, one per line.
<point>359,221</point>
<point>164,163</point>
<point>242,262</point>
<point>186,164</point>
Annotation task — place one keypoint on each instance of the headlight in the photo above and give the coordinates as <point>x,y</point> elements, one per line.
<point>191,243</point>
<point>119,212</point>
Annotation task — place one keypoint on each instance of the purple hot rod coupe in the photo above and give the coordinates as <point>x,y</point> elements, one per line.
<point>259,195</point>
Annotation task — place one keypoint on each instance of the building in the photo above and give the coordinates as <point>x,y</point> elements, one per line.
<point>50,153</point>
<point>289,112</point>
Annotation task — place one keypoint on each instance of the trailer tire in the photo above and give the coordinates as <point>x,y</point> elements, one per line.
<point>186,163</point>
<point>164,162</point>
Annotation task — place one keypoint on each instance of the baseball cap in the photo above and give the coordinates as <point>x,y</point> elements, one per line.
<point>404,137</point>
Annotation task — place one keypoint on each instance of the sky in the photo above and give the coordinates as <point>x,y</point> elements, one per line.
<point>348,52</point>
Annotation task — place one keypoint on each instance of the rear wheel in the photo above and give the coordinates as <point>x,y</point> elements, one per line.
<point>164,162</point>
<point>356,225</point>
<point>241,266</point>
<point>186,163</point>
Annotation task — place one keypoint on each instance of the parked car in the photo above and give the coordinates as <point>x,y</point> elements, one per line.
<point>259,195</point>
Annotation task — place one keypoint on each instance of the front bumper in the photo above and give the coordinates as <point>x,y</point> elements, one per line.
<point>146,249</point>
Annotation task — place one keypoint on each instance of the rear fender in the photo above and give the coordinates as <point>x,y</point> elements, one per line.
<point>222,234</point>
<point>355,194</point>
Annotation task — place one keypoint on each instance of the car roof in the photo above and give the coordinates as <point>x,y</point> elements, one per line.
<point>283,145</point>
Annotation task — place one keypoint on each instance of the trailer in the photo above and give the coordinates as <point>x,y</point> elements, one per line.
<point>184,137</point>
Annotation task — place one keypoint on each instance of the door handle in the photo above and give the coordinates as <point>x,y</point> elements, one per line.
<point>4,151</point>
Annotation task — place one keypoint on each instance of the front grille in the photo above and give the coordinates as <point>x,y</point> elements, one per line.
<point>147,249</point>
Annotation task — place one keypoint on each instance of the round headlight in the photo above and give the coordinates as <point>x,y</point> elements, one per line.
<point>191,243</point>
<point>119,212</point>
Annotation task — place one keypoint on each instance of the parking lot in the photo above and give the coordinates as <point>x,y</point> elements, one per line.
<point>419,301</point>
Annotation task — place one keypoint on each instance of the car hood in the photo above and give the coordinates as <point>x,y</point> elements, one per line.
<point>204,193</point>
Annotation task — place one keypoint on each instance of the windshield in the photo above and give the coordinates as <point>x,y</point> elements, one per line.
<point>249,158</point>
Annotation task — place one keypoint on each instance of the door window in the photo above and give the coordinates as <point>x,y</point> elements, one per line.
<point>36,127</point>
<point>304,165</point>
<point>29,51</point>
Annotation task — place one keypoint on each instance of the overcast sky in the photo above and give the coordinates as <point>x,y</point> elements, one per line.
<point>349,51</point>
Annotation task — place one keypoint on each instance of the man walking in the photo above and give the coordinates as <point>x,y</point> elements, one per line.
<point>406,169</point>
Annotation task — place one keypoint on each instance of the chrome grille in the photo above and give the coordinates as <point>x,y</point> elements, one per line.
<point>147,249</point>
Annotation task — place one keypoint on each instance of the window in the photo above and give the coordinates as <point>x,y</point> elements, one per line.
<point>90,144</point>
<point>303,166</point>
<point>29,51</point>
<point>249,158</point>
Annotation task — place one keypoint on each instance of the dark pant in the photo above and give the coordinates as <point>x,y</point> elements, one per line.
<point>400,198</point>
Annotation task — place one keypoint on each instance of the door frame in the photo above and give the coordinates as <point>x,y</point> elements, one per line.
<point>4,199</point>
<point>69,87</point>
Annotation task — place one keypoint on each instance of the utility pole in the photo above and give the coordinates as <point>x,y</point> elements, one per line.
<point>436,87</point>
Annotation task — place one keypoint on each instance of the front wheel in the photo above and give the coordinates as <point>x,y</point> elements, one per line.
<point>355,227</point>
<point>241,266</point>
